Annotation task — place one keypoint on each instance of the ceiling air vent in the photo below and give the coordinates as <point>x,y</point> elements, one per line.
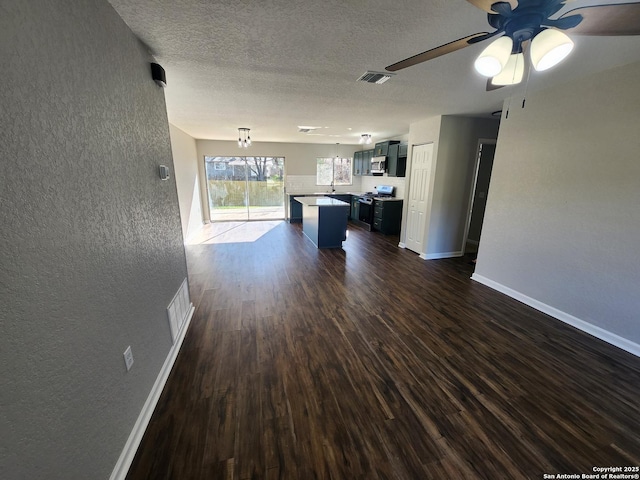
<point>375,77</point>
<point>306,129</point>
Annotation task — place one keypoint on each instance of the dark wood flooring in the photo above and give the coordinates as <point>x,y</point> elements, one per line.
<point>370,363</point>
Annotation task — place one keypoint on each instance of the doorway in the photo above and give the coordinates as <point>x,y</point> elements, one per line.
<point>484,165</point>
<point>245,188</point>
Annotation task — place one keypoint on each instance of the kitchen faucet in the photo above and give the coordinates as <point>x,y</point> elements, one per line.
<point>332,187</point>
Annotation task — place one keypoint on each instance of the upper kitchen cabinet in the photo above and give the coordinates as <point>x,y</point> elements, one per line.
<point>397,160</point>
<point>362,162</point>
<point>382,148</point>
<point>357,163</point>
<point>366,162</point>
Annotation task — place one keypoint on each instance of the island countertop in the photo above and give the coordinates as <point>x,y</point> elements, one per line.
<point>321,202</point>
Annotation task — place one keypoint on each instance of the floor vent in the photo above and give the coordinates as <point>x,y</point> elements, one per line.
<point>375,77</point>
<point>178,310</point>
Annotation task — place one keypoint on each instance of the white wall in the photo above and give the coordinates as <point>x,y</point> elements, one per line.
<point>562,222</point>
<point>454,175</point>
<point>455,141</point>
<point>300,162</point>
<point>92,249</point>
<point>185,160</point>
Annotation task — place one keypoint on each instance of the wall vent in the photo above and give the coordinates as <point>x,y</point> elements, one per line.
<point>375,77</point>
<point>178,310</point>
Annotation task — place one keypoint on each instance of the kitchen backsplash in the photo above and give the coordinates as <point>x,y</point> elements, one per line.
<point>307,184</point>
<point>302,184</point>
<point>369,183</point>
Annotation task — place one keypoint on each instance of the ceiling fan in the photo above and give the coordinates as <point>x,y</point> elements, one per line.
<point>528,24</point>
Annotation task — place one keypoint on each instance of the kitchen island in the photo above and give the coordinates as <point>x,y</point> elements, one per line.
<point>324,220</point>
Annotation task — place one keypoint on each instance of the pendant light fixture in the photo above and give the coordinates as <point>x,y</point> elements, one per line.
<point>494,58</point>
<point>244,140</point>
<point>365,138</point>
<point>549,48</point>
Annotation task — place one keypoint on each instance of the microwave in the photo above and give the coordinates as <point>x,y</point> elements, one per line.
<point>378,165</point>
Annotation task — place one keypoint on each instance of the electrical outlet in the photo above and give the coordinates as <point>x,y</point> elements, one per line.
<point>128,358</point>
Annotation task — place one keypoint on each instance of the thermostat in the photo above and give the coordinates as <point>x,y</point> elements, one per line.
<point>164,172</point>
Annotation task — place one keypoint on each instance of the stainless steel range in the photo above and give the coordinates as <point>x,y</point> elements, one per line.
<point>365,215</point>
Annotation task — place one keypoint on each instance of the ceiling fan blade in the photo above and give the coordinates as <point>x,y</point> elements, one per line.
<point>495,20</point>
<point>564,23</point>
<point>486,4</point>
<point>555,8</point>
<point>436,52</point>
<point>502,8</point>
<point>603,20</point>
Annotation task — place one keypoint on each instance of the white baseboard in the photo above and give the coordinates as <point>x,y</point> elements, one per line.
<point>586,327</point>
<point>402,245</point>
<point>438,256</point>
<point>135,437</point>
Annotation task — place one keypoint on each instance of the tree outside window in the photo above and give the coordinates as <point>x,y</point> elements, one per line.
<point>333,169</point>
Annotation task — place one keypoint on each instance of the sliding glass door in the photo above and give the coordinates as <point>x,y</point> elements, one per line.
<point>245,188</point>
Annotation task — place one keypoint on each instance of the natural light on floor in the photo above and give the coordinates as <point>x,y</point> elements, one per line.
<point>232,232</point>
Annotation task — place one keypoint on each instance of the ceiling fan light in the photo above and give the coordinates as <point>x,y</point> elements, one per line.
<point>494,58</point>
<point>513,71</point>
<point>549,48</point>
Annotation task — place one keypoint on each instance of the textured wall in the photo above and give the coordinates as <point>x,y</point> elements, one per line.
<point>185,160</point>
<point>562,221</point>
<point>90,244</point>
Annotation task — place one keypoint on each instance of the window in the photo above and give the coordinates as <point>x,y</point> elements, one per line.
<point>333,169</point>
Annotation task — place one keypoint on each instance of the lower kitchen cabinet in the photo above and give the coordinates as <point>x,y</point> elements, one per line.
<point>343,197</point>
<point>295,210</point>
<point>355,207</point>
<point>387,216</point>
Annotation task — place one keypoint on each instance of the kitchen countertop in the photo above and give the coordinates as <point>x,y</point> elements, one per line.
<point>317,201</point>
<point>301,194</point>
<point>356,194</point>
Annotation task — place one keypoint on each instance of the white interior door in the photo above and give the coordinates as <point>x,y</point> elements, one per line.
<point>420,180</point>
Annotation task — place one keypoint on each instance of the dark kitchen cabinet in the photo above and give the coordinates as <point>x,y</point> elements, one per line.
<point>357,163</point>
<point>387,216</point>
<point>396,163</point>
<point>362,162</point>
<point>382,148</point>
<point>355,207</point>
<point>367,155</point>
<point>343,197</point>
<point>295,209</point>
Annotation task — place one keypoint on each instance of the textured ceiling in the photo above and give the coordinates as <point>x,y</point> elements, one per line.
<point>274,65</point>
